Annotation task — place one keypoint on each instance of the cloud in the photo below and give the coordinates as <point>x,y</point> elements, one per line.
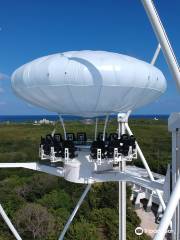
<point>4,76</point>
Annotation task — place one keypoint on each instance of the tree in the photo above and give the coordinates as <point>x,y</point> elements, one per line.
<point>106,219</point>
<point>33,221</point>
<point>82,231</point>
<point>37,186</point>
<point>56,199</point>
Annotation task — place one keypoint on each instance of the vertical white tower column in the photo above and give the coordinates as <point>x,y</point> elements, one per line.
<point>174,127</point>
<point>122,119</point>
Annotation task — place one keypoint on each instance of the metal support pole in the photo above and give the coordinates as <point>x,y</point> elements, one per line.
<point>8,222</point>
<point>174,127</point>
<point>53,132</point>
<point>64,129</point>
<point>74,212</point>
<point>175,174</point>
<point>96,127</point>
<point>174,67</point>
<point>156,54</point>
<point>122,118</point>
<point>105,126</point>
<point>146,166</point>
<point>170,210</point>
<point>162,39</point>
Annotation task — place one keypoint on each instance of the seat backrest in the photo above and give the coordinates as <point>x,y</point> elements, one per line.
<point>81,137</point>
<point>100,136</point>
<point>132,141</point>
<point>70,137</point>
<point>114,143</point>
<point>113,136</point>
<point>49,139</point>
<point>57,138</point>
<point>124,138</point>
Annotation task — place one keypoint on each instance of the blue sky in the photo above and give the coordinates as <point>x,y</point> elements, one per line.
<point>31,29</point>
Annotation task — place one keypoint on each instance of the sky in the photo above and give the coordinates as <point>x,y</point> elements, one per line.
<point>31,29</point>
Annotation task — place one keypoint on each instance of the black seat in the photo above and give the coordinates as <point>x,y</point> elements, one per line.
<point>124,141</point>
<point>127,142</point>
<point>111,146</point>
<point>132,142</point>
<point>70,145</point>
<point>113,136</point>
<point>49,139</point>
<point>123,144</point>
<point>95,146</point>
<point>57,140</point>
<point>81,138</point>
<point>46,144</point>
<point>70,137</point>
<point>100,137</point>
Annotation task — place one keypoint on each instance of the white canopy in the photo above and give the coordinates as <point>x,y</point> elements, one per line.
<point>88,83</point>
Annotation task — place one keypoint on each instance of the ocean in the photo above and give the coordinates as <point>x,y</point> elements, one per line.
<point>32,118</point>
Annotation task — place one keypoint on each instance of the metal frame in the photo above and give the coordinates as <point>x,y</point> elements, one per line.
<point>141,155</point>
<point>174,68</point>
<point>121,175</point>
<point>110,176</point>
<point>173,208</point>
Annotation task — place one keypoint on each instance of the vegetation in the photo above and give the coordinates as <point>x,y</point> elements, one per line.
<point>39,204</point>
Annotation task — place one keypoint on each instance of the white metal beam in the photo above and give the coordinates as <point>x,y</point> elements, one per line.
<point>105,126</point>
<point>146,167</point>
<point>174,127</point>
<point>170,210</point>
<point>156,54</point>
<point>74,212</point>
<point>63,126</point>
<point>116,176</point>
<point>162,39</point>
<point>8,222</point>
<point>56,171</point>
<point>106,176</point>
<point>174,67</point>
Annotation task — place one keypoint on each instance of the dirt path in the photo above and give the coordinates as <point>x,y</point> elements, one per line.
<point>147,222</point>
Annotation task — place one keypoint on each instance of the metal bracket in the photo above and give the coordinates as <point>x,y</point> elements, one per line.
<point>99,156</point>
